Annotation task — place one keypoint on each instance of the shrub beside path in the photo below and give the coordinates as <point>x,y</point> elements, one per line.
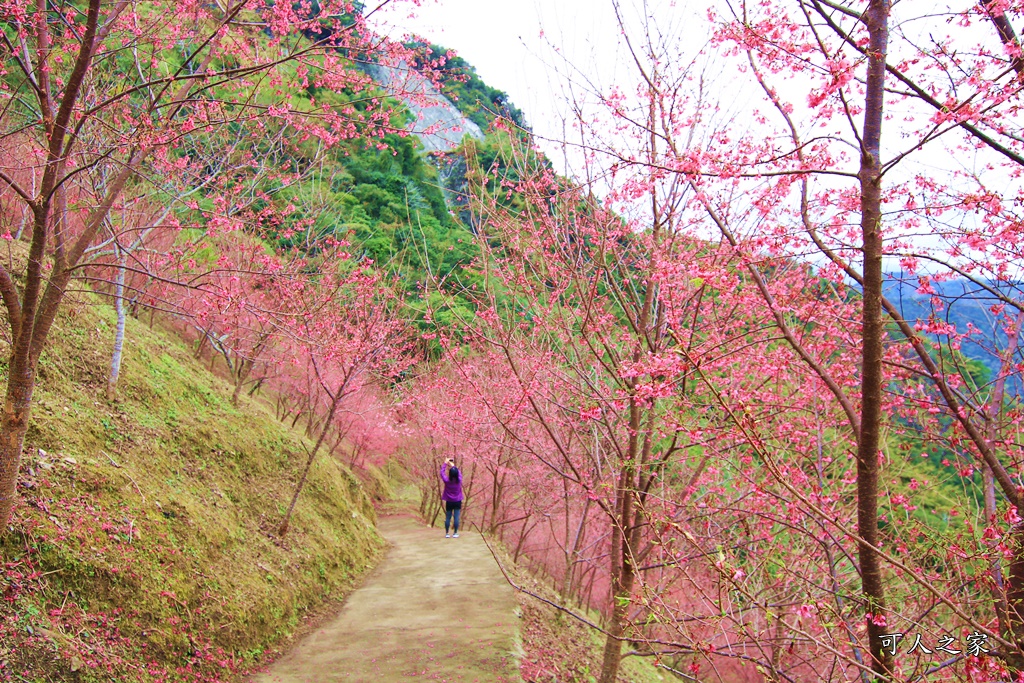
<point>436,609</point>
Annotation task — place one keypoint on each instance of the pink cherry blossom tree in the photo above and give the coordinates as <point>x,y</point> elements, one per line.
<point>112,90</point>
<point>345,335</point>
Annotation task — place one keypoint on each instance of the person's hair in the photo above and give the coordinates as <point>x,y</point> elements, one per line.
<point>453,474</point>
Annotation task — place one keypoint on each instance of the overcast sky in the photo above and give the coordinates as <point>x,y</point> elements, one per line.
<point>508,42</point>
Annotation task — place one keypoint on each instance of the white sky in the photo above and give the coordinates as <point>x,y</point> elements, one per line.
<point>503,40</point>
<point>510,43</point>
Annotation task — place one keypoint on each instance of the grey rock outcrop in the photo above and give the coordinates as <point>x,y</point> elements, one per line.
<point>437,122</point>
<point>451,171</point>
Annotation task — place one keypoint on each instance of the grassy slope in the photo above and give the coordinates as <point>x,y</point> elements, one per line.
<point>142,548</point>
<point>556,646</point>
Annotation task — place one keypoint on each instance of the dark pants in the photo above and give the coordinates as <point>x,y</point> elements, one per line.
<point>452,508</point>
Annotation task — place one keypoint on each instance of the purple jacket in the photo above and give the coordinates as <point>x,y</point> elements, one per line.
<point>452,487</point>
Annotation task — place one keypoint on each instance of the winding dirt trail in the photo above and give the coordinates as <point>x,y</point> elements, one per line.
<point>436,609</point>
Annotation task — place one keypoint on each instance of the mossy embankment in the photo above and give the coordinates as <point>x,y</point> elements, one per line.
<point>143,547</point>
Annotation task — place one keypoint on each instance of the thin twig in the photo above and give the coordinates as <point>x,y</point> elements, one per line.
<point>130,478</point>
<point>560,608</point>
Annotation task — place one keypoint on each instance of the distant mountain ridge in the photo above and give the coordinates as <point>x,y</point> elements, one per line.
<point>964,303</point>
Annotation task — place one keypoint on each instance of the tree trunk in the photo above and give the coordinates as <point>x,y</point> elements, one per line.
<point>498,490</point>
<point>994,410</point>
<point>283,529</point>
<point>115,358</point>
<point>876,19</point>
<point>337,443</point>
<point>624,533</point>
<point>17,410</point>
<point>32,318</point>
<point>200,346</point>
<point>622,591</point>
<point>244,368</point>
<point>1015,600</point>
<point>522,539</point>
<point>621,556</point>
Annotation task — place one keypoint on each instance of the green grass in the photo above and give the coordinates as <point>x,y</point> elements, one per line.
<point>144,547</point>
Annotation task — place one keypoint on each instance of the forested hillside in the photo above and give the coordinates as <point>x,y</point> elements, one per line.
<point>684,394</point>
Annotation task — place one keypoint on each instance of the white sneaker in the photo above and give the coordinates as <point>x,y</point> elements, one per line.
<point>449,535</point>
<point>455,536</point>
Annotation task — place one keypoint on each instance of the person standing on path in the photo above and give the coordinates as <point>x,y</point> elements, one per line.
<point>452,495</point>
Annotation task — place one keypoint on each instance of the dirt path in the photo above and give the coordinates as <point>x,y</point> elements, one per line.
<point>435,609</point>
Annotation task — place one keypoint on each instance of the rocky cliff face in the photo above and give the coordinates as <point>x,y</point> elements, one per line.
<point>451,171</point>
<point>438,124</point>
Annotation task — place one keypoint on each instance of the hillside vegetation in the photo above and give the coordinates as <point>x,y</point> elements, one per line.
<point>679,384</point>
<point>143,546</point>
